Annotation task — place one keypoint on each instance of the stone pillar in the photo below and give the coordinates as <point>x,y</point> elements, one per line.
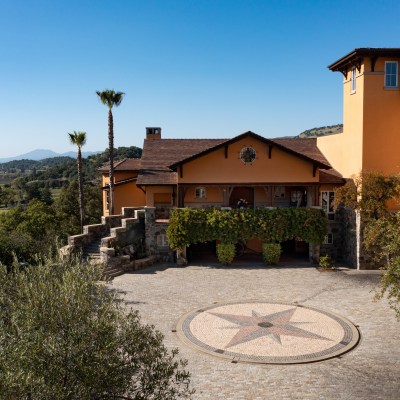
<point>314,253</point>
<point>150,240</point>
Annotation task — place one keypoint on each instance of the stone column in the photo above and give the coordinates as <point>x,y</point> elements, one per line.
<point>150,238</point>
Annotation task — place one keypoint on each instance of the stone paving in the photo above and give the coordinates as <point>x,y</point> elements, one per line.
<point>164,293</point>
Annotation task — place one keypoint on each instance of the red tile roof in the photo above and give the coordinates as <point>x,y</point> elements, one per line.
<point>160,155</point>
<point>127,164</point>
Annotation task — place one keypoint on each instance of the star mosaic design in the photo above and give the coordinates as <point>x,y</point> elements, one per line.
<point>271,325</point>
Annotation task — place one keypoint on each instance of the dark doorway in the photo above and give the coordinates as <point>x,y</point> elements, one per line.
<point>294,249</point>
<point>202,252</point>
<point>239,194</point>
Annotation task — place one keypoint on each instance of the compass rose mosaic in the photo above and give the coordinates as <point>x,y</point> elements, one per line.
<point>269,333</point>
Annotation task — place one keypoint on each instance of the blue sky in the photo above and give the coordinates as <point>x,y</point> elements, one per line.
<point>204,68</point>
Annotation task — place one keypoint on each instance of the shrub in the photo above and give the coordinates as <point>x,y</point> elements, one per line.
<point>64,335</point>
<point>325,262</point>
<point>271,252</point>
<point>225,253</point>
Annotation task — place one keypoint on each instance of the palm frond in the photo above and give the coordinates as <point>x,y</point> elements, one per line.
<point>110,97</point>
<point>78,138</point>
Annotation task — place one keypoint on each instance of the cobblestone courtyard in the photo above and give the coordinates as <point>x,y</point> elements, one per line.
<point>163,293</point>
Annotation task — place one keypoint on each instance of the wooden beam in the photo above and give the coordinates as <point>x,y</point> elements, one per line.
<point>314,171</point>
<point>270,151</point>
<point>373,62</point>
<point>181,170</point>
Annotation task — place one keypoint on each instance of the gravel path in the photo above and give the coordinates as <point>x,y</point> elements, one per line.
<point>163,293</point>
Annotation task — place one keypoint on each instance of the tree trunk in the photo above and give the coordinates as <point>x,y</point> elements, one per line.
<point>80,188</point>
<point>111,158</point>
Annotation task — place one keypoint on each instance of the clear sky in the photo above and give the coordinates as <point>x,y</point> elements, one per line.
<point>196,68</point>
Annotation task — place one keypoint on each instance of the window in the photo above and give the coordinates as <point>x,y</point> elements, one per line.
<point>353,79</point>
<point>162,240</point>
<point>391,78</point>
<point>279,192</point>
<point>328,238</point>
<point>327,203</point>
<point>200,193</point>
<point>108,200</point>
<point>247,155</point>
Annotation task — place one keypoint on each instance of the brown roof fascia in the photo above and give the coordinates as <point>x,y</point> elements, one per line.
<point>354,56</point>
<point>256,136</point>
<point>122,182</point>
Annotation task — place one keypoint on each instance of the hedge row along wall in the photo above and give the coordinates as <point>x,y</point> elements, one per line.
<point>190,225</point>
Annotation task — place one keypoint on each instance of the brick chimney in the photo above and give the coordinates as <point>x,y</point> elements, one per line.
<point>153,133</point>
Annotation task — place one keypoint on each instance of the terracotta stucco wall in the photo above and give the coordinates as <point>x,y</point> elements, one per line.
<point>381,123</point>
<point>126,195</point>
<point>215,168</point>
<point>344,150</point>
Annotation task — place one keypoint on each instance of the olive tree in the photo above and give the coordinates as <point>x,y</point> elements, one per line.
<point>64,335</point>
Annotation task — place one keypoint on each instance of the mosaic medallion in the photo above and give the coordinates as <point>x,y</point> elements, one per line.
<point>269,333</point>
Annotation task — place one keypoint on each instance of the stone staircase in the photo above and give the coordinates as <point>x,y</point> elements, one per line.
<point>91,253</point>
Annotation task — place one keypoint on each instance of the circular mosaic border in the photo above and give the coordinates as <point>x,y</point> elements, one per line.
<point>267,333</point>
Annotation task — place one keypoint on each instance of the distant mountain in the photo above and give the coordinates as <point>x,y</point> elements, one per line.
<point>321,131</point>
<point>41,154</point>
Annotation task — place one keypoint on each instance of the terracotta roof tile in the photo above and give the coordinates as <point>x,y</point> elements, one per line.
<point>158,154</point>
<point>331,176</point>
<point>127,164</point>
<point>307,147</point>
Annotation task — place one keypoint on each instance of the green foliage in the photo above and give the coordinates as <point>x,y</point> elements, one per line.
<point>382,241</point>
<point>64,335</point>
<point>188,225</point>
<point>325,262</point>
<point>369,192</point>
<point>225,253</point>
<point>67,207</point>
<point>390,285</point>
<point>271,253</point>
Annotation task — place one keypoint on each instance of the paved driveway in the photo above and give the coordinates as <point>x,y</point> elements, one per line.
<point>163,293</point>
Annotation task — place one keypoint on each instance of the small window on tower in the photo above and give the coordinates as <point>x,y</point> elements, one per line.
<point>353,79</point>
<point>391,74</point>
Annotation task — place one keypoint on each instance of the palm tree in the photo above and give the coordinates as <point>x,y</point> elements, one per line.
<point>79,139</point>
<point>111,98</point>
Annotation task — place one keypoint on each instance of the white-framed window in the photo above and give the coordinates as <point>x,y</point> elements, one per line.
<point>279,192</point>
<point>353,79</point>
<point>327,203</point>
<point>391,74</point>
<point>107,200</point>
<point>328,238</point>
<point>162,240</point>
<point>200,193</point>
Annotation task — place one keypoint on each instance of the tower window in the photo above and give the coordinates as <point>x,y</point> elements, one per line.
<point>391,74</point>
<point>353,79</point>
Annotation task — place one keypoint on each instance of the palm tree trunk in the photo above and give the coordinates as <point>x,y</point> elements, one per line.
<point>80,188</point>
<point>111,158</point>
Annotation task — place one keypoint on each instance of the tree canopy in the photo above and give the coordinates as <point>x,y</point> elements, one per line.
<point>65,336</point>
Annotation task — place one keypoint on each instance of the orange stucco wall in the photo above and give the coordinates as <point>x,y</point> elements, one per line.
<point>381,123</point>
<point>345,150</point>
<point>215,168</point>
<point>127,195</point>
<point>371,118</point>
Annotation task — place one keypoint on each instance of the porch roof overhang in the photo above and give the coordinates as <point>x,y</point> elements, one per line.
<point>269,142</point>
<point>121,182</point>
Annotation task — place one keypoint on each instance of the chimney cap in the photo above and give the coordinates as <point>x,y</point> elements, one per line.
<point>153,133</point>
